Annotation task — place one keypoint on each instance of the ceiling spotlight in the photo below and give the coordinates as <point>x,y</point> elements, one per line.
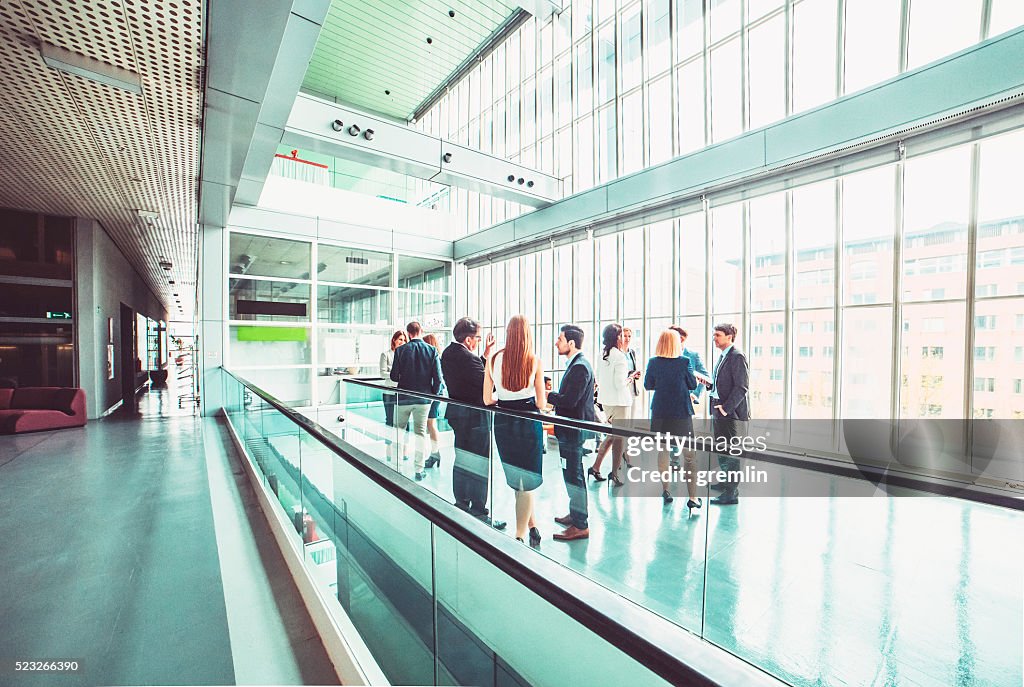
<point>387,92</point>
<point>429,40</point>
<point>89,68</point>
<point>353,130</point>
<point>529,184</point>
<point>337,125</point>
<point>165,264</point>
<point>511,177</point>
<point>520,181</point>
<point>447,157</point>
<point>147,214</point>
<point>170,281</point>
<point>368,134</point>
<point>451,13</point>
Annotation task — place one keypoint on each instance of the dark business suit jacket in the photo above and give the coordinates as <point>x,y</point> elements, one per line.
<point>731,384</point>
<point>417,367</point>
<point>575,395</point>
<point>463,374</point>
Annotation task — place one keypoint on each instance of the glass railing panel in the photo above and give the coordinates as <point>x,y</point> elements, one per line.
<point>281,451</point>
<point>373,554</point>
<point>483,614</point>
<point>809,573</point>
<point>819,578</point>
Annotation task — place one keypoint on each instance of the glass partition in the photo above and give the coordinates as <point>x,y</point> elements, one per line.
<point>797,578</point>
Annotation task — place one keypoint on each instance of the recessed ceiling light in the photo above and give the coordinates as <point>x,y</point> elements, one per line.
<point>95,70</point>
<point>284,262</point>
<point>147,214</point>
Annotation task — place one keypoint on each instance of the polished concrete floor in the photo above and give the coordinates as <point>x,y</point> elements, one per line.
<point>910,590</point>
<point>135,546</point>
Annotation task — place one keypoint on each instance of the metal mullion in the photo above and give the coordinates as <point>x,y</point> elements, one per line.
<point>897,286</point>
<point>709,346</point>
<point>225,269</point>
<point>645,245</point>
<point>904,35</point>
<point>840,49</point>
<point>677,269</point>
<point>788,317</point>
<point>986,19</point>
<point>970,296</point>
<point>314,297</point>
<point>346,285</point>
<point>787,70</point>
<point>744,70</point>
<point>288,280</point>
<point>706,53</point>
<point>837,299</point>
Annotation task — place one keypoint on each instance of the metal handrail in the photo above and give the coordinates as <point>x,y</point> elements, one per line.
<point>890,475</point>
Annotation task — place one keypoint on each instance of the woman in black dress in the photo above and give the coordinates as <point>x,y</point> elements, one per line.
<point>513,381</point>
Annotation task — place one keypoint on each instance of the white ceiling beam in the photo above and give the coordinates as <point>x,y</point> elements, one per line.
<point>542,8</point>
<point>325,127</point>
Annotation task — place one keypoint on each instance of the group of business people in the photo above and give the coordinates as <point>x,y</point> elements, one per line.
<point>512,379</point>
<point>677,377</point>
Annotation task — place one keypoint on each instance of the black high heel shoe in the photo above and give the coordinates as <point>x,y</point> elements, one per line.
<point>434,459</point>
<point>666,497</point>
<point>534,536</point>
<point>591,472</point>
<point>691,504</point>
<point>615,479</point>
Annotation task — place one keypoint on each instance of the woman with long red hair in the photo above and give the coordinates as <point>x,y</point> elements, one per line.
<point>513,381</point>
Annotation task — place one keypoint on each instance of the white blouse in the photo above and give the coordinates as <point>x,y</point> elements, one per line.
<point>503,394</point>
<point>612,376</point>
<point>387,359</point>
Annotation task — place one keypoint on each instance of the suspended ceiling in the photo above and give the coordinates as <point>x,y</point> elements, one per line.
<point>75,147</point>
<point>375,55</point>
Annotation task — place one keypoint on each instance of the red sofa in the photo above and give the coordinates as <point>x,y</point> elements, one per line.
<point>31,409</point>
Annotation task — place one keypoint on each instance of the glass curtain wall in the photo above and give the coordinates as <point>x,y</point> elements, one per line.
<point>608,88</point>
<point>295,330</point>
<point>826,312</point>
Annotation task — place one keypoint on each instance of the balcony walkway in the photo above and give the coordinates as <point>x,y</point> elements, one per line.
<point>134,546</point>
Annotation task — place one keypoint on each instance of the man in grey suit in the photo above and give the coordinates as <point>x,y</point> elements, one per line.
<point>730,380</point>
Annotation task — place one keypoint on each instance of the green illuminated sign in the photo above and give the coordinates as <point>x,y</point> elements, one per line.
<point>52,315</point>
<point>271,334</point>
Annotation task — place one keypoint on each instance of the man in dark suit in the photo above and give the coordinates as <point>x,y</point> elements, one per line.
<point>464,376</point>
<point>728,401</point>
<point>574,399</point>
<point>416,367</point>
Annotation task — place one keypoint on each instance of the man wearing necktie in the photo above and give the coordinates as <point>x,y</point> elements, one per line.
<point>728,401</point>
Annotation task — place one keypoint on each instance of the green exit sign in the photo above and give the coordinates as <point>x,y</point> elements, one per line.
<point>51,315</point>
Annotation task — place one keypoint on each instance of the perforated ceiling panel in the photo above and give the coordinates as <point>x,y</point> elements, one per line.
<point>376,55</point>
<point>72,146</point>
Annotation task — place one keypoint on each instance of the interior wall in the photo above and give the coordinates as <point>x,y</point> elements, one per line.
<point>104,279</point>
<point>213,272</point>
